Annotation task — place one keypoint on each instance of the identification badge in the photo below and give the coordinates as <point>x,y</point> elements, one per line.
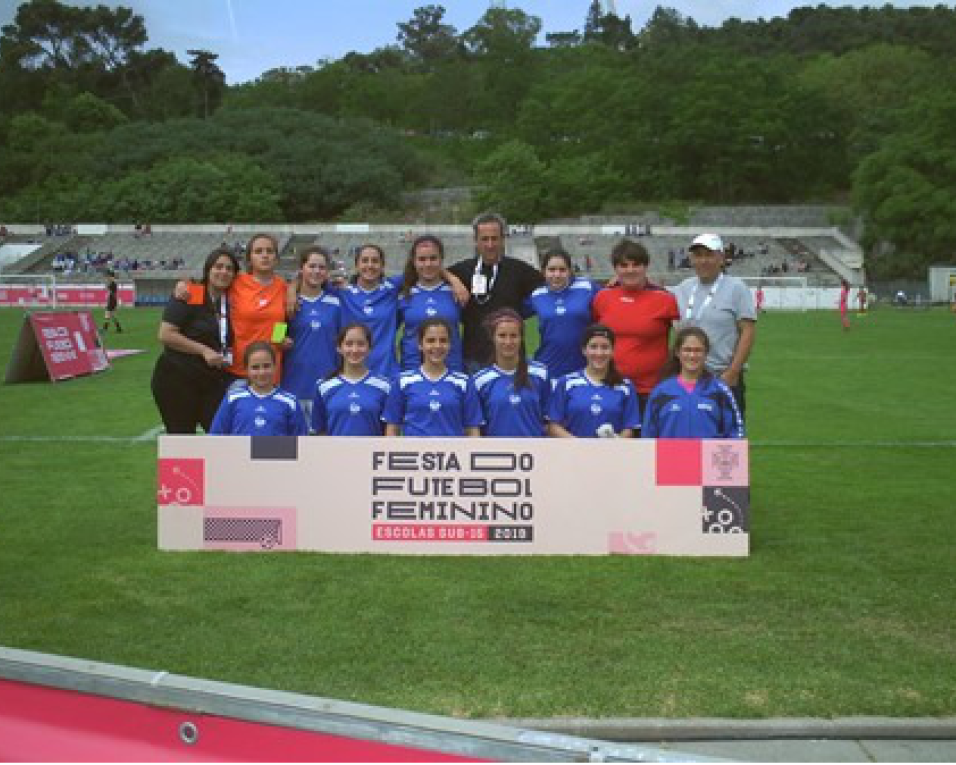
<point>479,284</point>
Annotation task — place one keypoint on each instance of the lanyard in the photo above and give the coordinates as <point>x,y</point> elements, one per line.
<point>223,323</point>
<point>689,314</point>
<point>491,282</point>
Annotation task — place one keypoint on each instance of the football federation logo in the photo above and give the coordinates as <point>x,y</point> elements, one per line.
<point>354,408</point>
<point>260,422</point>
<point>434,404</point>
<point>725,461</point>
<point>515,398</point>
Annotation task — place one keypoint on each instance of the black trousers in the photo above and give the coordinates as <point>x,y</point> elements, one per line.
<point>186,397</point>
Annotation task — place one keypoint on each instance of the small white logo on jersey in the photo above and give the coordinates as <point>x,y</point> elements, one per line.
<point>316,324</point>
<point>260,422</point>
<point>260,408</point>
<point>560,310</point>
<point>368,309</point>
<point>354,408</point>
<point>515,398</point>
<point>434,405</point>
<point>596,409</point>
<point>430,311</point>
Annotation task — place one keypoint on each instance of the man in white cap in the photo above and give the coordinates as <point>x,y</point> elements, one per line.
<point>723,307</point>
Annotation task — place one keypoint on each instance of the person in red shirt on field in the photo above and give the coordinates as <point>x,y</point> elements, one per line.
<point>640,314</point>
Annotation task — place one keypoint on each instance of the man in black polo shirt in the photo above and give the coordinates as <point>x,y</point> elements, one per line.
<point>495,281</point>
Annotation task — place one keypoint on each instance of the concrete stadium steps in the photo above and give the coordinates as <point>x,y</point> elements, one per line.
<point>41,261</point>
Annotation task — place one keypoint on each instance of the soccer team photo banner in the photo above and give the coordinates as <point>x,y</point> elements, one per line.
<point>454,497</point>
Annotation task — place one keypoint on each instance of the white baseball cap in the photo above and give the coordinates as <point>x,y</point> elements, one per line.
<point>710,241</point>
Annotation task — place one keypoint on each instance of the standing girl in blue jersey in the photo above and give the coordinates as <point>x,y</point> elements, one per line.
<point>426,293</point>
<point>432,400</point>
<point>690,402</point>
<point>563,308</point>
<point>313,330</point>
<point>259,408</point>
<point>514,394</point>
<point>372,300</point>
<point>597,401</point>
<point>351,401</point>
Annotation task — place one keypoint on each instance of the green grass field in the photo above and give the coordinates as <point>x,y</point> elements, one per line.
<point>847,605</point>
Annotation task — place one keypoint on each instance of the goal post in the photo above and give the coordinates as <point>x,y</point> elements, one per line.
<point>782,293</point>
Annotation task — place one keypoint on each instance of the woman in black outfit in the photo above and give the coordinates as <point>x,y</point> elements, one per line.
<point>189,379</point>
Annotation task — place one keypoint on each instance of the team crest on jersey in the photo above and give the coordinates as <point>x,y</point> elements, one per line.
<point>260,422</point>
<point>368,309</point>
<point>434,404</point>
<point>515,398</point>
<point>596,408</point>
<point>263,302</point>
<point>430,311</point>
<point>354,408</point>
<point>316,324</point>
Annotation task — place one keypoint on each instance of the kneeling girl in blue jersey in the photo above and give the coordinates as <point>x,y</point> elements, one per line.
<point>259,408</point>
<point>690,402</point>
<point>432,400</point>
<point>351,401</point>
<point>596,402</point>
<point>514,394</point>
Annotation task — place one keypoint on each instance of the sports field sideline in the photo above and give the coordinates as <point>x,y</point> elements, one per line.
<point>845,607</point>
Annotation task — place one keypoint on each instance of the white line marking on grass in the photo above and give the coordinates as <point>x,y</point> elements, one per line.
<point>858,444</point>
<point>149,435</point>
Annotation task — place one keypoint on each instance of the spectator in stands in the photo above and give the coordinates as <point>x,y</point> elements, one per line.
<point>189,379</point>
<point>313,329</point>
<point>640,315</point>
<point>495,281</point>
<point>112,303</point>
<point>723,306</point>
<point>426,292</point>
<point>597,401</point>
<point>690,402</point>
<point>563,308</point>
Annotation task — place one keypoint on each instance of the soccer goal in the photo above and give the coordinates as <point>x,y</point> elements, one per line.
<point>28,291</point>
<point>782,293</point>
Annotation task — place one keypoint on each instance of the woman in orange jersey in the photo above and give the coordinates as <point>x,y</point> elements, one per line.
<point>257,301</point>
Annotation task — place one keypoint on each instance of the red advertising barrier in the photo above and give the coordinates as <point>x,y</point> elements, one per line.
<point>56,345</point>
<point>44,295</point>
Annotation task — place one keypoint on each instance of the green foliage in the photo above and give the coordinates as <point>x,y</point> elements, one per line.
<point>512,181</point>
<point>87,114</point>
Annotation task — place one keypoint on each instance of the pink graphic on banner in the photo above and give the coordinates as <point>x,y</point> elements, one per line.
<point>429,532</point>
<point>631,543</point>
<point>245,529</point>
<point>726,463</point>
<point>679,462</point>
<point>181,482</point>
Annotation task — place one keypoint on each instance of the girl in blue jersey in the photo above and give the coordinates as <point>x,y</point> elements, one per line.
<point>433,400</point>
<point>351,401</point>
<point>313,330</point>
<point>690,402</point>
<point>563,308</point>
<point>597,401</point>
<point>372,300</point>
<point>259,408</point>
<point>514,394</point>
<point>426,294</point>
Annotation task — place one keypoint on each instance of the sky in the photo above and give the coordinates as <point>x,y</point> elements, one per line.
<point>253,36</point>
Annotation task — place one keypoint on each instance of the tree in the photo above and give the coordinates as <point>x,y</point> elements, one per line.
<point>608,29</point>
<point>513,182</point>
<point>209,79</point>
<point>426,39</point>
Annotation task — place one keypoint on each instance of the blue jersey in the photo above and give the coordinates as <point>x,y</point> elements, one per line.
<point>424,407</point>
<point>243,412</point>
<point>563,315</point>
<point>377,309</point>
<point>426,303</point>
<point>582,406</point>
<point>510,413</point>
<point>314,330</point>
<point>708,411</point>
<point>346,408</point>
